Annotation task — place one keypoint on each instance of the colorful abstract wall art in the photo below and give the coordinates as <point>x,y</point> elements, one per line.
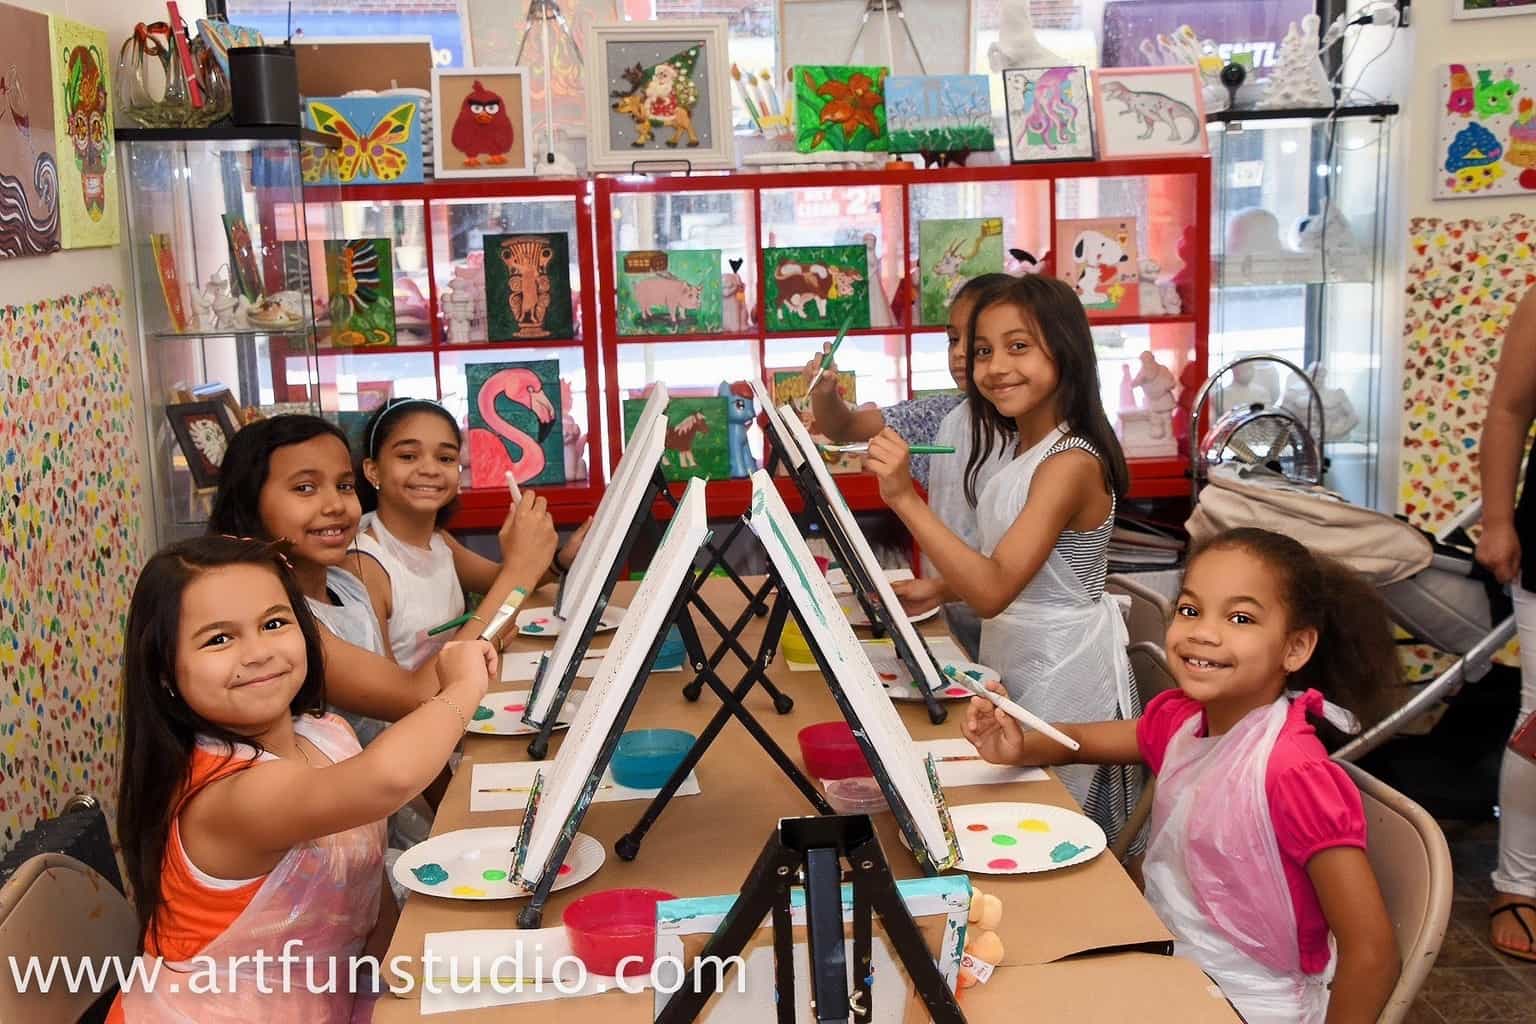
<point>515,423</point>
<point>82,126</point>
<point>381,140</point>
<point>29,169</point>
<point>70,550</point>
<point>360,283</point>
<point>1486,145</point>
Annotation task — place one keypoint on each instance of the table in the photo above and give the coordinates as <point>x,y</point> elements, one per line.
<point>703,845</point>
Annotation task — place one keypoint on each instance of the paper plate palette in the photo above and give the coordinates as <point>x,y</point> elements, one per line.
<point>475,864</point>
<point>898,681</point>
<point>1016,838</point>
<point>500,714</point>
<point>839,579</point>
<point>856,617</point>
<point>542,621</point>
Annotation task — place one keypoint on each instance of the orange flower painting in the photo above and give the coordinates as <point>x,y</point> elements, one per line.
<point>840,108</point>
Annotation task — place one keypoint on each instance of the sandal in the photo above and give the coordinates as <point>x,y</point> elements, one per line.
<point>1515,908</point>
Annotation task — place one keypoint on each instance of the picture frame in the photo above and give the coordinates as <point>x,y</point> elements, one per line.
<point>1175,95</point>
<point>1485,131</point>
<point>1062,132</point>
<point>1464,9</point>
<point>617,140</point>
<point>453,92</point>
<point>203,433</point>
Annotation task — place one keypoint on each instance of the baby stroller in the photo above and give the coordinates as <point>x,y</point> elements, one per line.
<point>1433,588</point>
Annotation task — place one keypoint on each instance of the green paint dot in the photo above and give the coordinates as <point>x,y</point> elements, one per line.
<point>1065,852</point>
<point>533,629</point>
<point>482,713</point>
<point>493,875</point>
<point>1004,840</point>
<point>973,674</point>
<point>430,874</point>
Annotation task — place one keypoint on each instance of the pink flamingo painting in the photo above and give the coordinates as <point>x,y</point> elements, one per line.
<point>489,456</point>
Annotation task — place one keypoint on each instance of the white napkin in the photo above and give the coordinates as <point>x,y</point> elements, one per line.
<point>967,772</point>
<point>518,777</point>
<point>474,954</point>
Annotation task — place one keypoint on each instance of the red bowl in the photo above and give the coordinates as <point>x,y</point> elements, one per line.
<point>608,926</point>
<point>830,752</point>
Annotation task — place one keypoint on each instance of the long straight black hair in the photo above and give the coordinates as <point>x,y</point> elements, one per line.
<point>159,730</point>
<point>1063,328</point>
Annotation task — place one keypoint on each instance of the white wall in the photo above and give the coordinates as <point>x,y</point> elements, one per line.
<point>35,278</point>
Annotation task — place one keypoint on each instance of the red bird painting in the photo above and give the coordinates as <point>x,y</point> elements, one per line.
<point>483,129</point>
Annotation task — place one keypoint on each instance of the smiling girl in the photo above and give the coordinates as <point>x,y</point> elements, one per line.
<point>1037,575</point>
<point>1256,859</point>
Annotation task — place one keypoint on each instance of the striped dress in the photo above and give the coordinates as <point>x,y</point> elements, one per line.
<point>1060,646</point>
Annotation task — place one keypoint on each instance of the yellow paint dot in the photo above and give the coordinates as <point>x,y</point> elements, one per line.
<point>1033,825</point>
<point>467,890</point>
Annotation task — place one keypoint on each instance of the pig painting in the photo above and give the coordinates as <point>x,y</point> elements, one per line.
<point>674,291</point>
<point>673,296</point>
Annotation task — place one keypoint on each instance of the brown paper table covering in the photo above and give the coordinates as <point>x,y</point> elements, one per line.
<point>703,845</point>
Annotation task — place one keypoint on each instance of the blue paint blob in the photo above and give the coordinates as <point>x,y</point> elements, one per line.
<point>1065,851</point>
<point>430,874</point>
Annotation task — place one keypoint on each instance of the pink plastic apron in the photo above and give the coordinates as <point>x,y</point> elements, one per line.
<point>1214,873</point>
<point>324,894</point>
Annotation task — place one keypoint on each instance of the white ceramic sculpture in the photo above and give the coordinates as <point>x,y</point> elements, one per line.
<point>1017,44</point>
<point>1298,78</point>
<point>1147,431</point>
<point>879,302</point>
<point>458,310</point>
<point>1244,391</point>
<point>1339,415</point>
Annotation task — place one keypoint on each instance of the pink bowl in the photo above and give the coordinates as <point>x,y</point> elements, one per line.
<point>608,926</point>
<point>830,752</point>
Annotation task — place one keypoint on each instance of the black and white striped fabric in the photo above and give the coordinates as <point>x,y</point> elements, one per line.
<point>1086,551</point>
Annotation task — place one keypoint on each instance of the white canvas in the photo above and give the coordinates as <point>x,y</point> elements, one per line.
<point>849,667</point>
<point>777,433</point>
<point>861,549</point>
<point>577,762</point>
<point>606,539</point>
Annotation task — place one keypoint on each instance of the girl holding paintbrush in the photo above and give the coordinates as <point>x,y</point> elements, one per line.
<point>943,420</point>
<point>1036,572</point>
<point>407,477</point>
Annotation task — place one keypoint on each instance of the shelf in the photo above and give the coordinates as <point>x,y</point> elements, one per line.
<point>494,346</point>
<point>1368,110</point>
<point>227,132</point>
<point>480,189</point>
<point>752,333</point>
<point>1137,321</point>
<point>238,333</point>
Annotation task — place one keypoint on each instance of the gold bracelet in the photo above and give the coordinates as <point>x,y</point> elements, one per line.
<point>476,618</point>
<point>463,718</point>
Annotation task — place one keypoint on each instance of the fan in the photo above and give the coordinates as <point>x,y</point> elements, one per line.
<point>1271,437</point>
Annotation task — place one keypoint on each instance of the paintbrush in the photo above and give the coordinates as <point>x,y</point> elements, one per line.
<point>517,495</point>
<point>862,448</point>
<point>1024,717</point>
<point>528,789</point>
<point>773,94</point>
<point>741,90</point>
<point>763,111</point>
<point>826,360</point>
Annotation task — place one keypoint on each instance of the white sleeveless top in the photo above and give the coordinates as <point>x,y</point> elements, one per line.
<point>424,589</point>
<point>351,620</point>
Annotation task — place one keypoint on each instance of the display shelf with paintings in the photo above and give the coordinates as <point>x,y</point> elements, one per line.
<point>883,251</point>
<point>224,270</point>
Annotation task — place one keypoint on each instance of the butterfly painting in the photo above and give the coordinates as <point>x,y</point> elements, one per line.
<point>359,275</point>
<point>380,141</point>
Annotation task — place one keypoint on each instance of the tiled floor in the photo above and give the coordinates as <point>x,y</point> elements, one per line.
<point>1470,982</point>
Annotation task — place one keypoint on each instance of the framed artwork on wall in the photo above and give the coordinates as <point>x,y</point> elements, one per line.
<point>658,91</point>
<point>482,123</point>
<point>1491,8</point>
<point>203,433</point>
<point>1486,139</point>
<point>1149,112</point>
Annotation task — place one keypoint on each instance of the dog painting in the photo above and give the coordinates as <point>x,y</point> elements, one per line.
<point>1098,258</point>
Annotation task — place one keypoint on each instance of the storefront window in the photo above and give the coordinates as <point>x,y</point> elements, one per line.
<point>338,19</point>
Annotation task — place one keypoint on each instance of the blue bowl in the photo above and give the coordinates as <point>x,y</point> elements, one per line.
<point>646,758</point>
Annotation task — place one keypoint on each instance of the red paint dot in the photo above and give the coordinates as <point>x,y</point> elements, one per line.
<point>514,708</point>
<point>1003,864</point>
<point>978,827</point>
<point>565,869</point>
<point>956,691</point>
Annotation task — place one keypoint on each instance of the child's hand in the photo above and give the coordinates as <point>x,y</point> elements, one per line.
<point>828,383</point>
<point>1499,550</point>
<point>566,557</point>
<point>465,667</point>
<point>890,460</point>
<point>992,731</point>
<point>919,596</point>
<point>528,538</point>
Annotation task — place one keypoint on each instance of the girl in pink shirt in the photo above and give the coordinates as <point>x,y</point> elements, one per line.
<point>1256,855</point>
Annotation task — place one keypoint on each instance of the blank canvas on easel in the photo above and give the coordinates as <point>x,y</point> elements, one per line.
<point>822,31</point>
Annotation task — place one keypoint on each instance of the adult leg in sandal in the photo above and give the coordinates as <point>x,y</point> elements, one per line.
<point>1513,912</point>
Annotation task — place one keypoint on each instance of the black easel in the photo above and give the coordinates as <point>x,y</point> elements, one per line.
<point>811,852</point>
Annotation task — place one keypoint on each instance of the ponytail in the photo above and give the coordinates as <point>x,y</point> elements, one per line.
<point>1355,660</point>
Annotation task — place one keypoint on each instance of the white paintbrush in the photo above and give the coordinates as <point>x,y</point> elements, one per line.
<point>517,495</point>
<point>1024,717</point>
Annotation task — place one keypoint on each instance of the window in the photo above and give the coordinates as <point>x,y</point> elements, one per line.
<point>333,19</point>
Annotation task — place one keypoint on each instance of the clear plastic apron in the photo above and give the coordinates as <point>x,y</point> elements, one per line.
<point>323,894</point>
<point>1061,652</point>
<point>1217,880</point>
